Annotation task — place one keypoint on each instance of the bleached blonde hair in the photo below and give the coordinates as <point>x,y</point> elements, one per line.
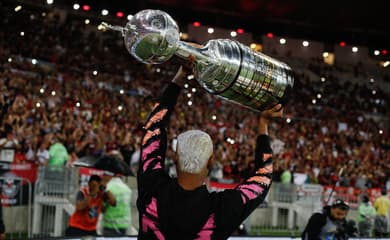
<point>194,149</point>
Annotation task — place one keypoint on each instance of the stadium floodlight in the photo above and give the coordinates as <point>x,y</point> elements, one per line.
<point>76,6</point>
<point>233,34</point>
<point>355,49</point>
<point>86,8</point>
<point>210,30</point>
<point>305,43</point>
<point>282,41</point>
<point>49,2</point>
<point>240,31</point>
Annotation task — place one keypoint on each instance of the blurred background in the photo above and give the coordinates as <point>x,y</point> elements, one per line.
<point>68,83</point>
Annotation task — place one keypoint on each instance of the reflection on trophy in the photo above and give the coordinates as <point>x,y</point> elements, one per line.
<point>223,67</point>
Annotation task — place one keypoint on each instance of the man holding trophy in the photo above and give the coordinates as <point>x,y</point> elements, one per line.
<point>183,208</point>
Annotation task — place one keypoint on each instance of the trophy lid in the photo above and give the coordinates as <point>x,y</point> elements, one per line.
<point>151,36</point>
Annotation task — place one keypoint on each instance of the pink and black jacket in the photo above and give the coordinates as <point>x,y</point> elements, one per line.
<point>167,211</point>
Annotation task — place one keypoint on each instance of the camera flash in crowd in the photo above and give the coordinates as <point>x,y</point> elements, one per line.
<point>189,95</point>
<point>233,33</point>
<point>189,103</point>
<point>87,21</point>
<point>288,120</point>
<point>186,85</point>
<point>323,79</point>
<point>193,90</point>
<point>158,70</point>
<point>120,108</point>
<point>78,104</point>
<point>21,33</point>
<point>34,61</point>
<point>49,2</point>
<point>9,60</point>
<point>42,90</point>
<point>210,30</point>
<point>38,104</point>
<point>319,95</point>
<point>372,80</point>
<point>214,117</point>
<point>95,73</point>
<point>230,140</point>
<point>189,77</point>
<point>381,131</point>
<point>373,92</point>
<point>104,12</point>
<point>314,101</point>
<point>53,93</point>
<point>18,8</point>
<point>121,91</point>
<point>76,6</point>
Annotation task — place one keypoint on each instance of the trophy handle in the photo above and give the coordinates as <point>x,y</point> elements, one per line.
<point>187,50</point>
<point>117,28</point>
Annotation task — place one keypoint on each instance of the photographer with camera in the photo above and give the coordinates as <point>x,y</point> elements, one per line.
<point>330,224</point>
<point>89,202</point>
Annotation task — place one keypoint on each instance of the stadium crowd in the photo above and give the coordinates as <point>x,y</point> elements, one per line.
<point>68,90</point>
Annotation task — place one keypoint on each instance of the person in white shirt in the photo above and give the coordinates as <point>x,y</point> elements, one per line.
<point>42,154</point>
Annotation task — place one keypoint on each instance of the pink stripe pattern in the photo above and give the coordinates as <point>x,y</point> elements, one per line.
<point>207,229</point>
<point>148,223</point>
<point>250,191</point>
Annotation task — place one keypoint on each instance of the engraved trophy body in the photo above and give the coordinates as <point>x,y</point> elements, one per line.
<point>223,67</point>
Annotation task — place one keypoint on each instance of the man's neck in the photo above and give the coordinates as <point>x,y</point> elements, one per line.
<point>189,181</point>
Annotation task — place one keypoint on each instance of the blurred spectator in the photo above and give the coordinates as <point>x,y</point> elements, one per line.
<point>116,219</point>
<point>366,216</point>
<point>57,152</point>
<point>42,154</point>
<point>382,207</point>
<point>2,227</point>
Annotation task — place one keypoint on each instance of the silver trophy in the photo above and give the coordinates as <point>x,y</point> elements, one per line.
<point>223,67</point>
